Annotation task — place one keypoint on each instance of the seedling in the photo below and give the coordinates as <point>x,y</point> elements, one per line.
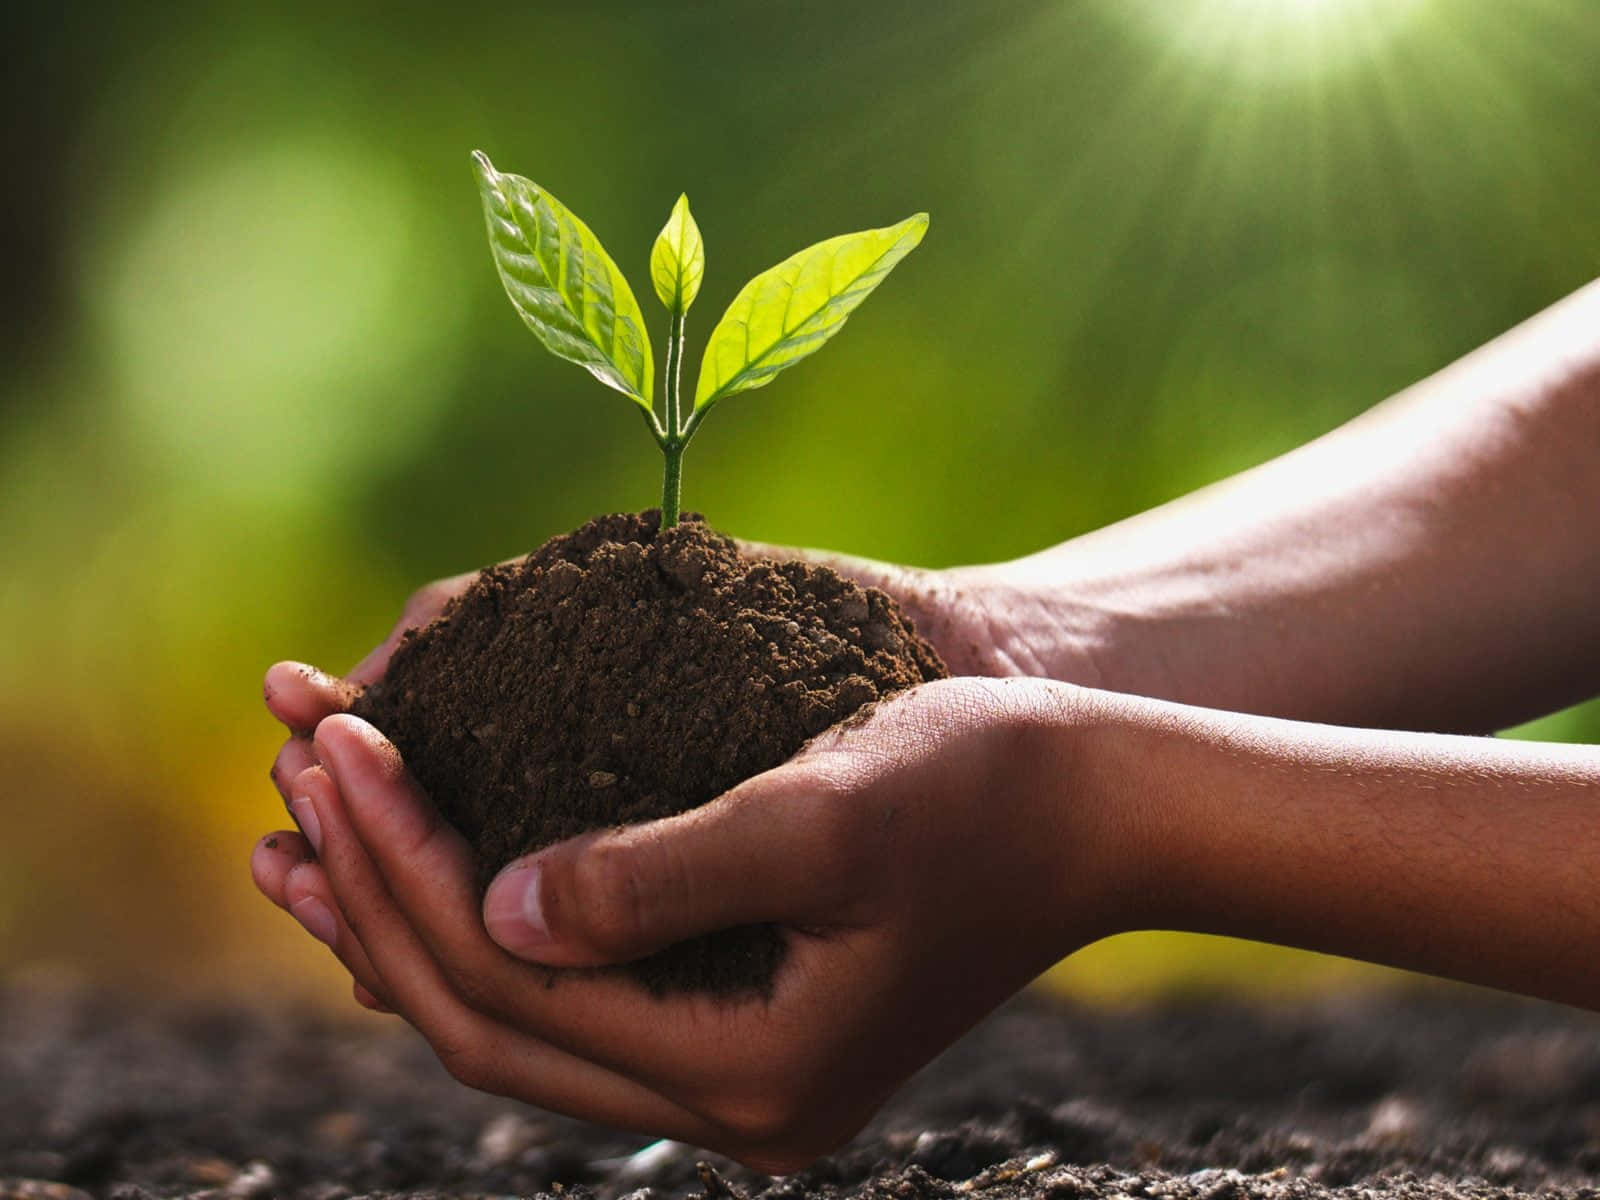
<point>569,292</point>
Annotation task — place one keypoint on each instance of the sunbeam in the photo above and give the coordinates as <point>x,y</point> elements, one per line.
<point>1267,39</point>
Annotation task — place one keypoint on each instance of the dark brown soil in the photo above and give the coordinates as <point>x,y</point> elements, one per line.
<point>1442,1095</point>
<point>621,673</point>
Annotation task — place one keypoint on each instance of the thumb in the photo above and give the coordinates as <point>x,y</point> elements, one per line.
<point>773,849</point>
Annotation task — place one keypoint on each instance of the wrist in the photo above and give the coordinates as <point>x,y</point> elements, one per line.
<point>1088,770</point>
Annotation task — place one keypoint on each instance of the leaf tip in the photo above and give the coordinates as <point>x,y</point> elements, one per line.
<point>485,167</point>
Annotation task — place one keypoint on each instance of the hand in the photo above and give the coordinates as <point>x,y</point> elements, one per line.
<point>909,861</point>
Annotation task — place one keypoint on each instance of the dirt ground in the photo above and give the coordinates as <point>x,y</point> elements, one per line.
<point>1439,1093</point>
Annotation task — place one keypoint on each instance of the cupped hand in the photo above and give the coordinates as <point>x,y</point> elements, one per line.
<point>911,861</point>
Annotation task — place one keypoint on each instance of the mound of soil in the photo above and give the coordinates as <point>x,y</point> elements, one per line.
<point>621,673</point>
<point>1439,1095</point>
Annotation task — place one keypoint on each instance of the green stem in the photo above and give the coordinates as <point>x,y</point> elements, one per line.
<point>676,439</point>
<point>671,482</point>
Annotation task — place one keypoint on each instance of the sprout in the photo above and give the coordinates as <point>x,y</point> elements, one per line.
<point>572,295</point>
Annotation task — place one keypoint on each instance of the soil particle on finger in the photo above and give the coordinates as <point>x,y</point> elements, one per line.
<point>1405,1097</point>
<point>623,672</point>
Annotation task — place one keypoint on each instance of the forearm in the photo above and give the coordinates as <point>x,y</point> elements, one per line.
<point>1464,857</point>
<point>1429,565</point>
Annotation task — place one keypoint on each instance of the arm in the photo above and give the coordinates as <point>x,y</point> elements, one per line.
<point>1469,858</point>
<point>1429,565</point>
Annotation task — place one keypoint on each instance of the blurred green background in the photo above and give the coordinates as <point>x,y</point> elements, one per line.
<point>260,379</point>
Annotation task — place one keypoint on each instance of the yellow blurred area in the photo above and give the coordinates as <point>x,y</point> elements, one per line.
<point>1136,966</point>
<point>260,381</point>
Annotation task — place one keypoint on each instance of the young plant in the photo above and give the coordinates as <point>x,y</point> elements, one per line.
<point>568,291</point>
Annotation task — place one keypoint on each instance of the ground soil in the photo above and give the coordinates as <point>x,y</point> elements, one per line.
<point>621,673</point>
<point>1439,1094</point>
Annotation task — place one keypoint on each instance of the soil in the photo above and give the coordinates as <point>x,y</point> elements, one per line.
<point>621,673</point>
<point>1441,1094</point>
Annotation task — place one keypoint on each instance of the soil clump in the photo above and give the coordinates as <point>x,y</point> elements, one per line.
<point>621,673</point>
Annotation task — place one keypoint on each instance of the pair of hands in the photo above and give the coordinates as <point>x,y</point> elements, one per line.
<point>916,877</point>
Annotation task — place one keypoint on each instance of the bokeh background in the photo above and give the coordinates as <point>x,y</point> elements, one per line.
<point>260,379</point>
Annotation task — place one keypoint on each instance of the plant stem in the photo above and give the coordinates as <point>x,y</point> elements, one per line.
<point>673,444</point>
<point>671,481</point>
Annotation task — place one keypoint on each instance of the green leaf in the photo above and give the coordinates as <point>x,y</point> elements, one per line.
<point>784,314</point>
<point>564,284</point>
<point>678,260</point>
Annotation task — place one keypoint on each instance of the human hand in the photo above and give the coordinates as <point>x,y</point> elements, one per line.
<point>910,862</point>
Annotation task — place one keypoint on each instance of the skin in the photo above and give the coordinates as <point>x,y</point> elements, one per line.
<point>1153,726</point>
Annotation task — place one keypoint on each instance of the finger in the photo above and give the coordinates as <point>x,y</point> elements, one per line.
<point>271,860</point>
<point>422,606</point>
<point>424,863</point>
<point>294,756</point>
<point>274,864</point>
<point>309,899</point>
<point>475,1048</point>
<point>300,695</point>
<point>778,848</point>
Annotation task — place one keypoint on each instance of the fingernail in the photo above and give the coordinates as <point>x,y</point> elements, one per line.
<point>513,911</point>
<point>305,816</point>
<point>318,921</point>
